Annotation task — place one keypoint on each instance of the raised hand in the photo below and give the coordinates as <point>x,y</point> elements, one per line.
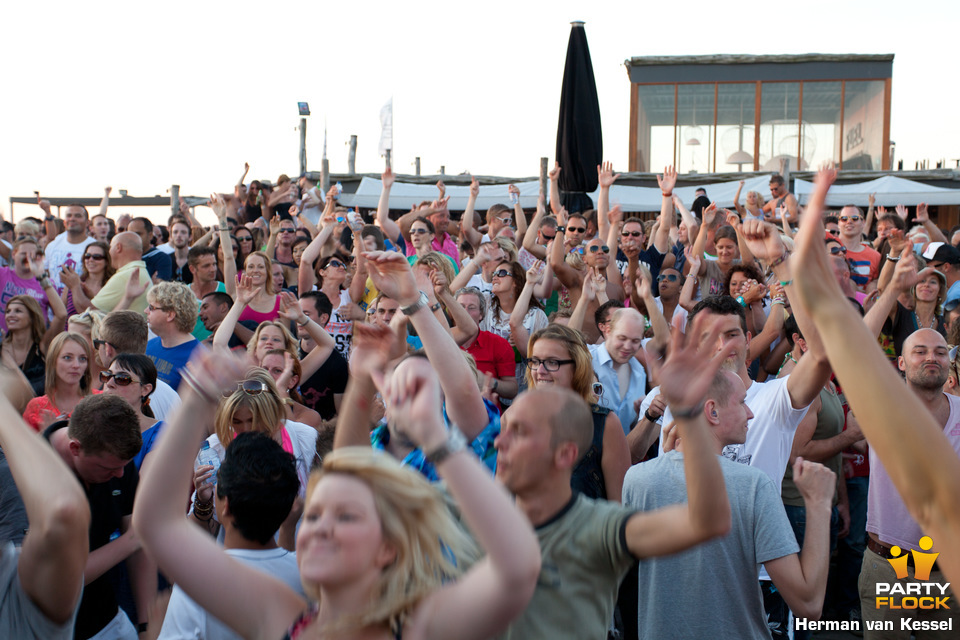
<point>872,199</point>
<point>562,216</point>
<point>36,265</point>
<point>246,290</point>
<point>815,482</point>
<point>599,279</point>
<point>668,180</point>
<point>275,225</point>
<point>686,375</point>
<point>474,187</point>
<point>763,240</point>
<point>881,211</point>
<point>902,212</point>
<point>487,390</point>
<point>440,283</point>
<point>514,189</point>
<point>134,288</point>
<point>535,272</point>
<point>923,215</point>
<point>710,214</point>
<point>290,308</point>
<point>694,262</point>
<point>412,397</point>
<point>588,289</point>
<point>68,277</point>
<point>286,376</point>
<point>644,286</point>
<point>370,348</point>
<point>387,177</point>
<point>555,172</point>
<point>442,188</point>
<point>391,274</point>
<point>898,240</point>
<point>107,190</point>
<point>219,206</point>
<point>605,175</point>
<point>615,215</point>
<point>732,218</point>
<point>44,205</point>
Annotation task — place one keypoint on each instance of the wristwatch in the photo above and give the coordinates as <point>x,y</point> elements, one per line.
<point>455,442</point>
<point>561,228</point>
<point>416,306</point>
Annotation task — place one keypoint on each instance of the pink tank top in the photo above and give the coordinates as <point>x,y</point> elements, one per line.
<point>249,313</point>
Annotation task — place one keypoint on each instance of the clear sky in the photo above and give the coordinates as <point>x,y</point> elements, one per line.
<point>141,96</point>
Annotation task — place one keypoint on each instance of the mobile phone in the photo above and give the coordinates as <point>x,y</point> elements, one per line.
<point>514,198</point>
<point>339,189</point>
<point>36,193</point>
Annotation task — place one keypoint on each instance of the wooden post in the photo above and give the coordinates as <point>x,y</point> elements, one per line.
<point>174,199</point>
<point>543,176</point>
<point>325,177</point>
<point>388,159</point>
<point>416,163</point>
<point>352,156</point>
<point>303,146</point>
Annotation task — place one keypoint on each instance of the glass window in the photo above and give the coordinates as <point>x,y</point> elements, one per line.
<point>820,129</point>
<point>779,124</point>
<point>695,128</point>
<point>655,126</point>
<point>863,125</point>
<point>735,132</point>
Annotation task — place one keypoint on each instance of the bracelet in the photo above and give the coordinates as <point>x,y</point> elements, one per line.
<point>786,283</point>
<point>691,412</point>
<point>667,195</point>
<point>741,301</point>
<point>495,385</point>
<point>780,300</point>
<point>897,259</point>
<point>202,510</point>
<point>194,384</point>
<point>691,275</point>
<point>646,414</point>
<point>783,258</point>
<point>436,307</point>
<point>304,323</point>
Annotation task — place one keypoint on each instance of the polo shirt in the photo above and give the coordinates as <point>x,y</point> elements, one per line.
<point>112,292</point>
<point>446,246</point>
<point>606,370</point>
<point>493,355</point>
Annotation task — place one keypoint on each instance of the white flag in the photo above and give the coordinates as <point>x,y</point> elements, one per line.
<point>386,128</point>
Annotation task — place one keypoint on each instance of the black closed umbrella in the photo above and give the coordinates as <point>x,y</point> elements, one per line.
<point>579,134</point>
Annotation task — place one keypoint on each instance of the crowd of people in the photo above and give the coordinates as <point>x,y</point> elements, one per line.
<point>310,421</point>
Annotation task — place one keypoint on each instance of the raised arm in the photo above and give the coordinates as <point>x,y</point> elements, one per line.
<point>668,219</point>
<point>688,218</point>
<point>464,328</point>
<point>736,200</point>
<point>924,467</point>
<point>588,294</point>
<point>471,235</point>
<point>709,214</point>
<point>554,176</point>
<point>685,379</point>
<point>568,276</point>
<point>105,201</point>
<point>220,584</point>
<point>530,239</point>
<point>53,299</point>
<point>923,217</point>
<point>518,331</point>
<point>393,276</point>
<point>689,289</point>
<point>519,215</point>
<point>388,226</point>
<point>868,220</point>
<point>606,178</point>
<point>496,589</point>
<point>244,294</point>
<point>306,276</point>
<point>219,206</point>
<point>53,556</point>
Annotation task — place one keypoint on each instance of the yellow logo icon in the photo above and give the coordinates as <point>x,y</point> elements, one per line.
<point>922,562</point>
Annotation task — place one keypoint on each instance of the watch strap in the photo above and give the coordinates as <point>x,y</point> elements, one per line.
<point>455,442</point>
<point>416,306</point>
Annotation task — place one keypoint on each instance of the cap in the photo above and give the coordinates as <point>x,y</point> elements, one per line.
<point>952,299</point>
<point>941,252</point>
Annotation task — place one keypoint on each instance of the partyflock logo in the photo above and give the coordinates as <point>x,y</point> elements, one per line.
<point>919,593</point>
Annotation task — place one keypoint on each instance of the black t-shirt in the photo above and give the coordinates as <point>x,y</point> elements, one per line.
<point>331,378</point>
<point>110,502</point>
<point>181,274</point>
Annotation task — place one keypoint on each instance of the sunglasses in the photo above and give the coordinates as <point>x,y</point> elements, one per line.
<point>506,220</point>
<point>121,378</point>
<point>287,230</point>
<point>635,234</point>
<point>849,218</point>
<point>417,232</point>
<point>336,264</point>
<point>99,343</point>
<point>150,307</point>
<point>94,256</point>
<point>249,387</point>
<point>248,238</point>
<point>838,250</point>
<point>577,229</point>
<point>548,238</point>
<point>595,248</point>
<point>501,273</point>
<point>669,277</point>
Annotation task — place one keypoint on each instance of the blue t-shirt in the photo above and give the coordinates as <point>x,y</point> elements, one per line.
<point>170,361</point>
<point>149,439</point>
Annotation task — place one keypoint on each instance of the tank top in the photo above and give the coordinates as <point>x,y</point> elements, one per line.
<point>588,474</point>
<point>249,313</point>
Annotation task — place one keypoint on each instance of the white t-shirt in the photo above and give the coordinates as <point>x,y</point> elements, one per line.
<point>61,253</point>
<point>340,326</point>
<point>163,400</point>
<point>679,312</point>
<point>186,620</point>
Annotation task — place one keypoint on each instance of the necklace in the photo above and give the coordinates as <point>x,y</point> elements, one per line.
<point>933,321</point>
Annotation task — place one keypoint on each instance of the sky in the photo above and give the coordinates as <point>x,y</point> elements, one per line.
<point>141,96</point>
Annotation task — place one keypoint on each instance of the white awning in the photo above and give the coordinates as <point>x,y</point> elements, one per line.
<point>890,191</point>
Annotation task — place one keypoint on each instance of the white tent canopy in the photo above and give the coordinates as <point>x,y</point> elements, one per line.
<point>631,199</point>
<point>890,191</point>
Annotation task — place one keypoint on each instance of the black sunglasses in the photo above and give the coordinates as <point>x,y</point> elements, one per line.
<point>94,256</point>
<point>501,273</point>
<point>577,229</point>
<point>99,343</point>
<point>595,248</point>
<point>121,378</point>
<point>635,234</point>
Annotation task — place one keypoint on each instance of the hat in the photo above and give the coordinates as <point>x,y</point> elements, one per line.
<point>952,299</point>
<point>941,252</point>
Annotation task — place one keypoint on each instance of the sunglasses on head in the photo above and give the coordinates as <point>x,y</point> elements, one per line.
<point>121,378</point>
<point>849,218</point>
<point>502,273</point>
<point>635,234</point>
<point>669,277</point>
<point>595,248</point>
<point>249,387</point>
<point>577,229</point>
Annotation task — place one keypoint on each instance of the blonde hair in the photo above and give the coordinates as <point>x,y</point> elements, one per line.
<point>27,227</point>
<point>267,264</point>
<point>269,412</point>
<point>289,342</point>
<point>509,247</point>
<point>437,260</point>
<point>759,197</point>
<point>176,297</point>
<point>582,383</point>
<point>417,523</point>
<point>53,353</point>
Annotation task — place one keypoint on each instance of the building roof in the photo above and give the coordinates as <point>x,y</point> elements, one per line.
<point>737,58</point>
<point>749,68</point>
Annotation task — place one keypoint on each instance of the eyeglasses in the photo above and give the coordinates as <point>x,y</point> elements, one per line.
<point>417,232</point>
<point>94,256</point>
<point>577,229</point>
<point>121,378</point>
<point>635,234</point>
<point>336,264</point>
<point>550,364</point>
<point>669,277</point>
<point>595,248</point>
<point>99,343</point>
<point>501,273</point>
<point>849,218</point>
<point>250,387</point>
<point>150,307</point>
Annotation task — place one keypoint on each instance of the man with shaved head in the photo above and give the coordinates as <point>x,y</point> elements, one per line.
<point>621,374</point>
<point>925,363</point>
<point>126,255</point>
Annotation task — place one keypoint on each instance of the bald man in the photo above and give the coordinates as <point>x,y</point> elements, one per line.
<point>126,253</point>
<point>925,362</point>
<point>621,374</point>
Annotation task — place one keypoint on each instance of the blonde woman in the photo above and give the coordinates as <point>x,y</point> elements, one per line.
<point>67,381</point>
<point>376,543</point>
<point>754,206</point>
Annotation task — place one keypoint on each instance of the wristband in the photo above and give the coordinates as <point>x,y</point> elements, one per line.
<point>646,414</point>
<point>897,259</point>
<point>142,627</point>
<point>416,306</point>
<point>494,385</point>
<point>741,301</point>
<point>436,307</point>
<point>786,283</point>
<point>455,442</point>
<point>779,261</point>
<point>304,323</point>
<point>667,195</point>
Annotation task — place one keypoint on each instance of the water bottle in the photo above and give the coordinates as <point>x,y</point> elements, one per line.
<point>209,456</point>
